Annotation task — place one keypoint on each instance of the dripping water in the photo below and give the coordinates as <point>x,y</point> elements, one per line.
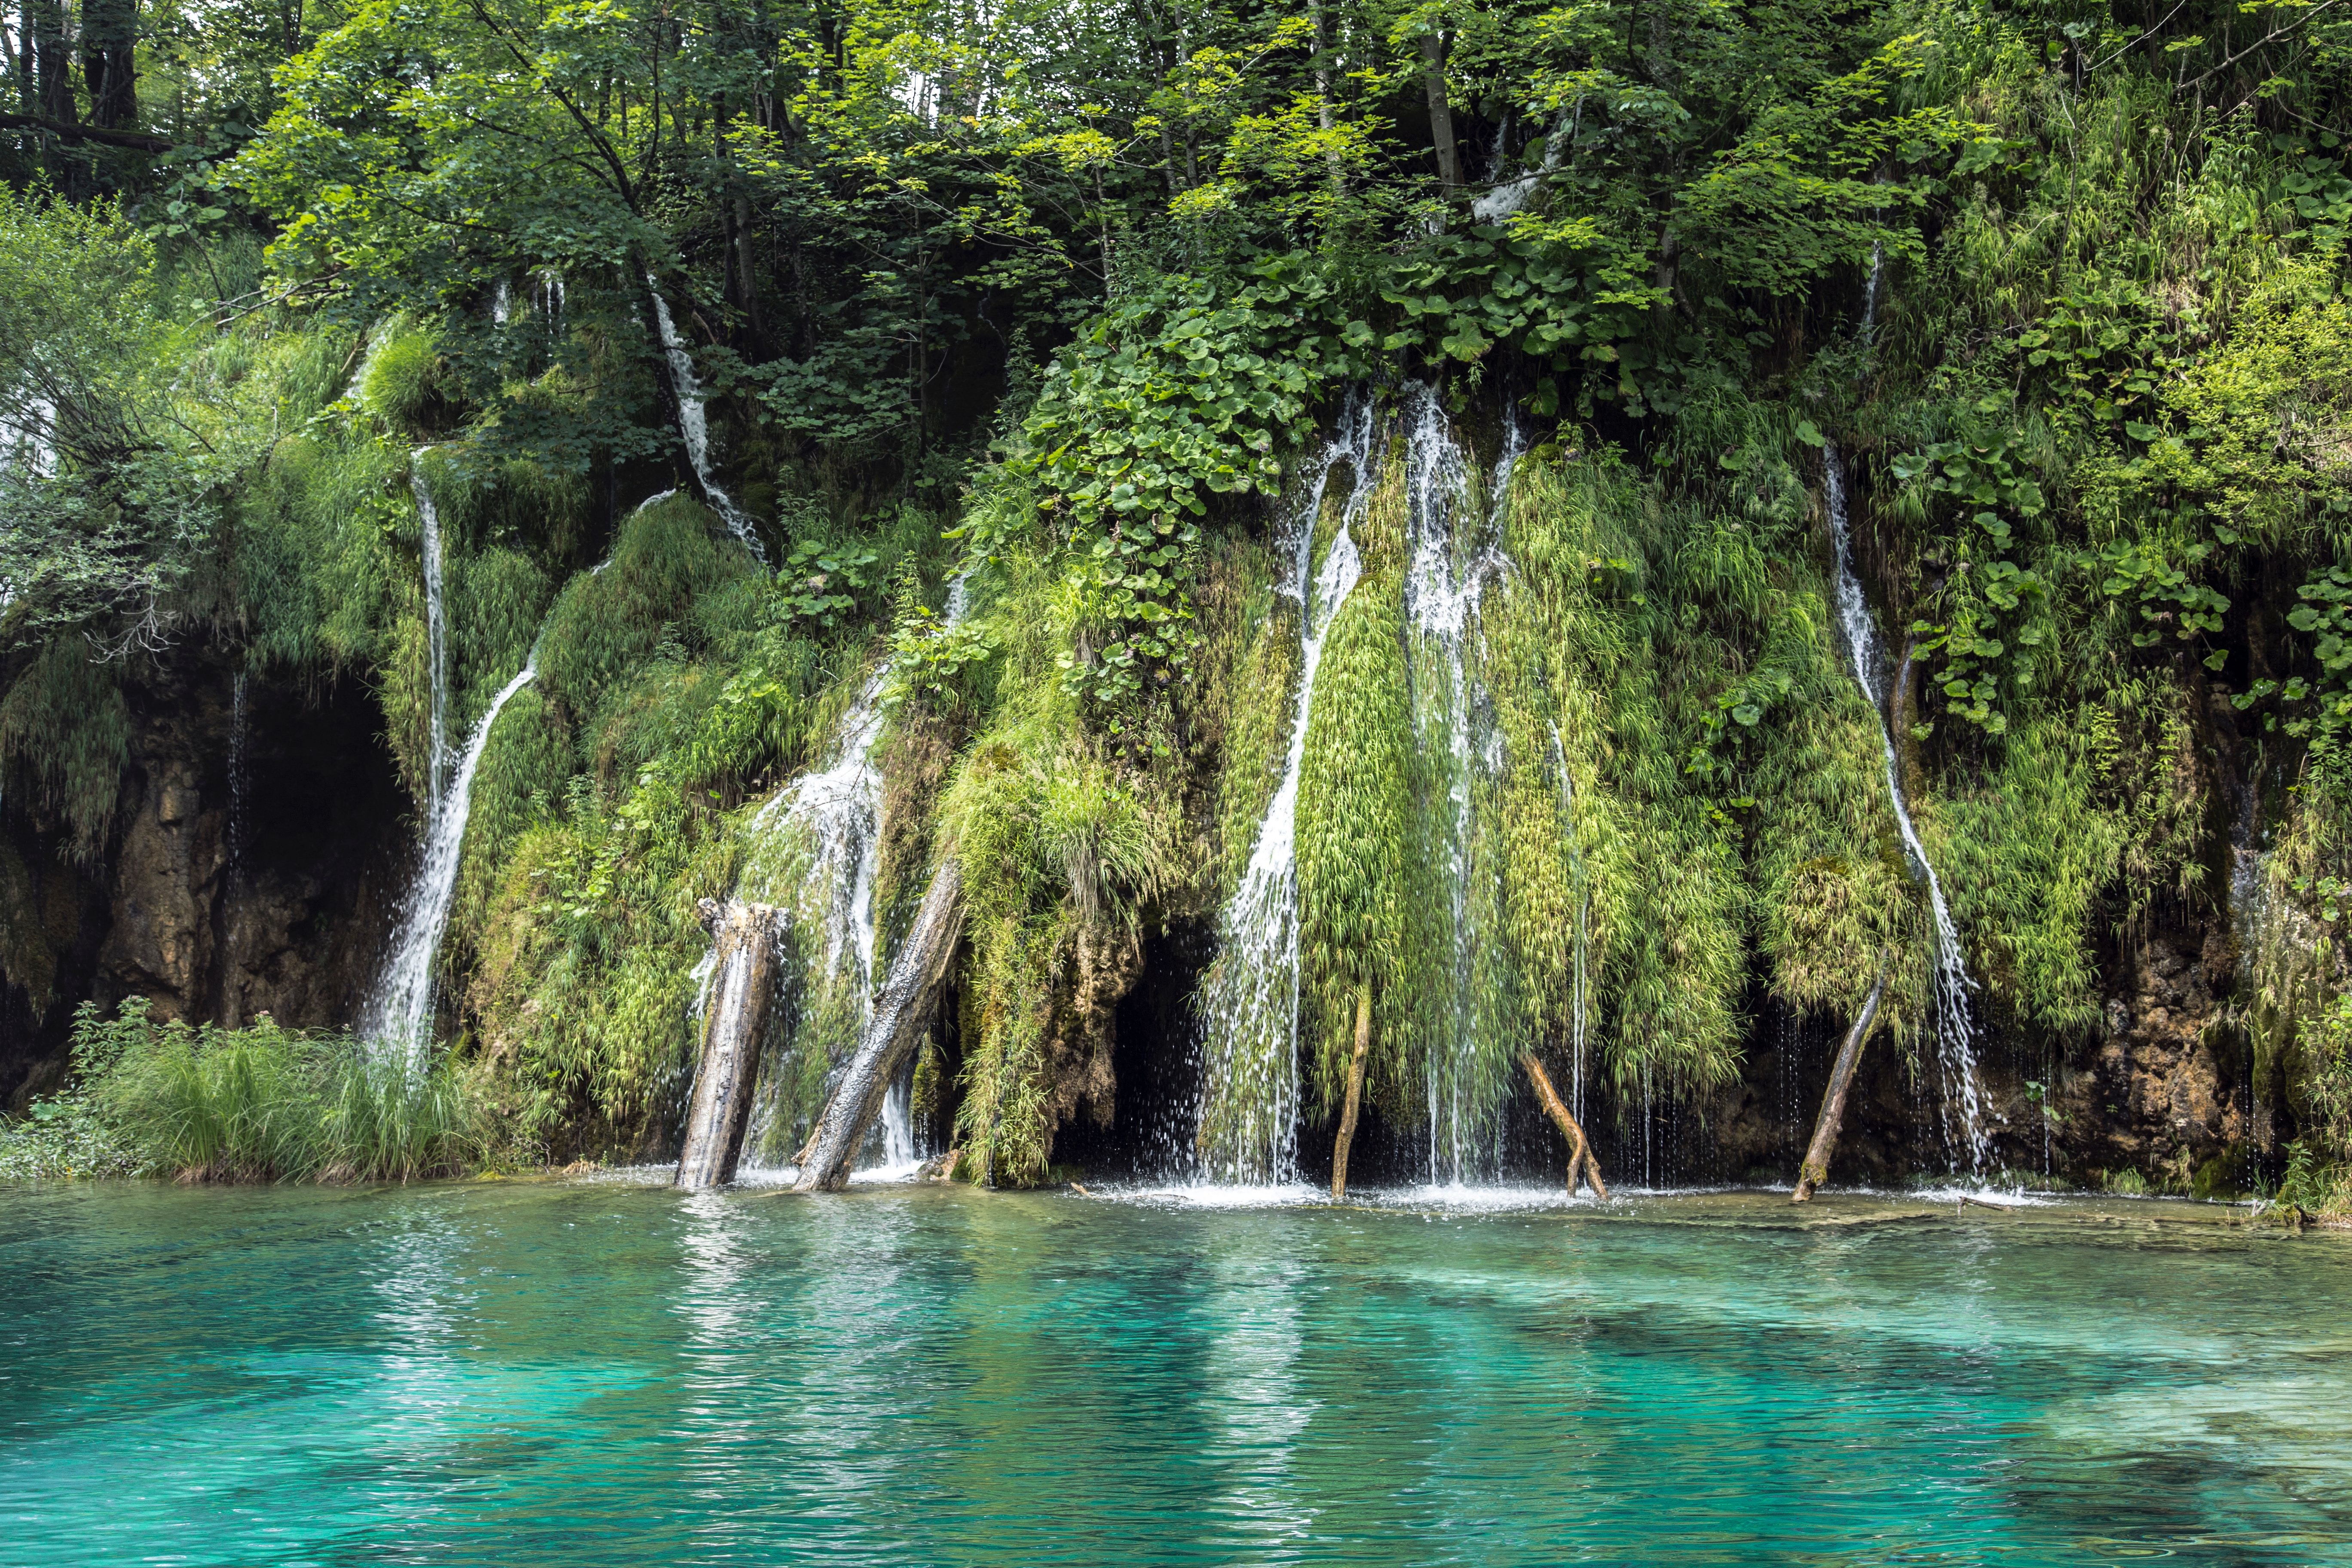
<point>1454,550</point>
<point>1954,1025</point>
<point>239,781</point>
<point>1247,1124</point>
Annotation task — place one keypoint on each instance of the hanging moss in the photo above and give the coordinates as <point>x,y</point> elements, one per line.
<point>65,737</point>
<point>1357,854</point>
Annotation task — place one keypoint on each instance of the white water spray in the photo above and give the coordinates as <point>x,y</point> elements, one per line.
<point>836,813</point>
<point>1954,1025</point>
<point>1452,558</point>
<point>1249,1105</point>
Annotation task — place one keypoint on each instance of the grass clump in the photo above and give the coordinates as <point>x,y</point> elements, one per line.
<point>256,1104</point>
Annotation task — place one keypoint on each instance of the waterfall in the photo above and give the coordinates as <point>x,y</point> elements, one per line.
<point>1452,556</point>
<point>437,628</point>
<point>400,1015</point>
<point>233,879</point>
<point>1509,197</point>
<point>1955,1026</point>
<point>502,302</point>
<point>1250,1098</point>
<point>694,426</point>
<point>820,837</point>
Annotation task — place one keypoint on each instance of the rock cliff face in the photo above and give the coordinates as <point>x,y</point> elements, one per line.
<point>257,846</point>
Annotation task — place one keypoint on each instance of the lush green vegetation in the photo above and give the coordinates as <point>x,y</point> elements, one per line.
<point>1056,298</point>
<point>260,1103</point>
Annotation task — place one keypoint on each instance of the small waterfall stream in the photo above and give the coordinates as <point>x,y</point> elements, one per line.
<point>1250,1096</point>
<point>400,1015</point>
<point>1454,550</point>
<point>694,426</point>
<point>1955,1024</point>
<point>437,628</point>
<point>834,817</point>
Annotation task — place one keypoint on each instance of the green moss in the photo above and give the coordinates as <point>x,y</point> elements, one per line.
<point>65,738</point>
<point>398,386</point>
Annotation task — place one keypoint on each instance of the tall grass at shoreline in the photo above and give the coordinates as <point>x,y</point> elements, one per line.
<point>257,1104</point>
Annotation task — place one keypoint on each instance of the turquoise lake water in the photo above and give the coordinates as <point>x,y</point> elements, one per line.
<point>600,1372</point>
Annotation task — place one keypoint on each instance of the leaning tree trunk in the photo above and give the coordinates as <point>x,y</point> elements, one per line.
<point>1441,111</point>
<point>1355,1094</point>
<point>1580,1152</point>
<point>720,1109</point>
<point>1816,1168</point>
<point>900,1015</point>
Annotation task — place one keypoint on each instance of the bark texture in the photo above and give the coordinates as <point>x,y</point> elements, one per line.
<point>1441,111</point>
<point>1580,1152</point>
<point>733,1026</point>
<point>901,1014</point>
<point>1355,1099</point>
<point>1816,1168</point>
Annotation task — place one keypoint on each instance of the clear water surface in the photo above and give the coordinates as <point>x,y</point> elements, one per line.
<point>594,1373</point>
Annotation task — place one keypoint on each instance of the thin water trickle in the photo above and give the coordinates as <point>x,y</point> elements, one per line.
<point>1248,1127</point>
<point>1955,1024</point>
<point>239,829</point>
<point>398,1015</point>
<point>694,426</point>
<point>436,629</point>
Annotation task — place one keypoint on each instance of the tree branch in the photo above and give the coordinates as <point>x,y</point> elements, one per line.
<point>136,141</point>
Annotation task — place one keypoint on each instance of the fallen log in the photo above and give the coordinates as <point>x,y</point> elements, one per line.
<point>1816,1168</point>
<point>1580,1152</point>
<point>734,1026</point>
<point>1355,1094</point>
<point>901,1013</point>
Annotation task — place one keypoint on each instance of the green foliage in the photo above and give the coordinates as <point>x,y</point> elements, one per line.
<point>395,382</point>
<point>823,583</point>
<point>260,1103</point>
<point>65,733</point>
<point>1361,873</point>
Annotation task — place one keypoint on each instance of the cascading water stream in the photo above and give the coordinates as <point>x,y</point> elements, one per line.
<point>694,426</point>
<point>1445,578</point>
<point>836,813</point>
<point>400,1019</point>
<point>240,784</point>
<point>1250,1096</point>
<point>399,1016</point>
<point>1955,1026</point>
<point>436,629</point>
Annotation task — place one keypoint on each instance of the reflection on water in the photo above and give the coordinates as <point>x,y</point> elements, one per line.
<point>593,1372</point>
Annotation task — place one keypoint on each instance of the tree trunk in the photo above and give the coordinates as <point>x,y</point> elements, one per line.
<point>1579,1150</point>
<point>1816,1168</point>
<point>1324,114</point>
<point>1441,115</point>
<point>110,37</point>
<point>900,1015</point>
<point>719,1109</point>
<point>1355,1093</point>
